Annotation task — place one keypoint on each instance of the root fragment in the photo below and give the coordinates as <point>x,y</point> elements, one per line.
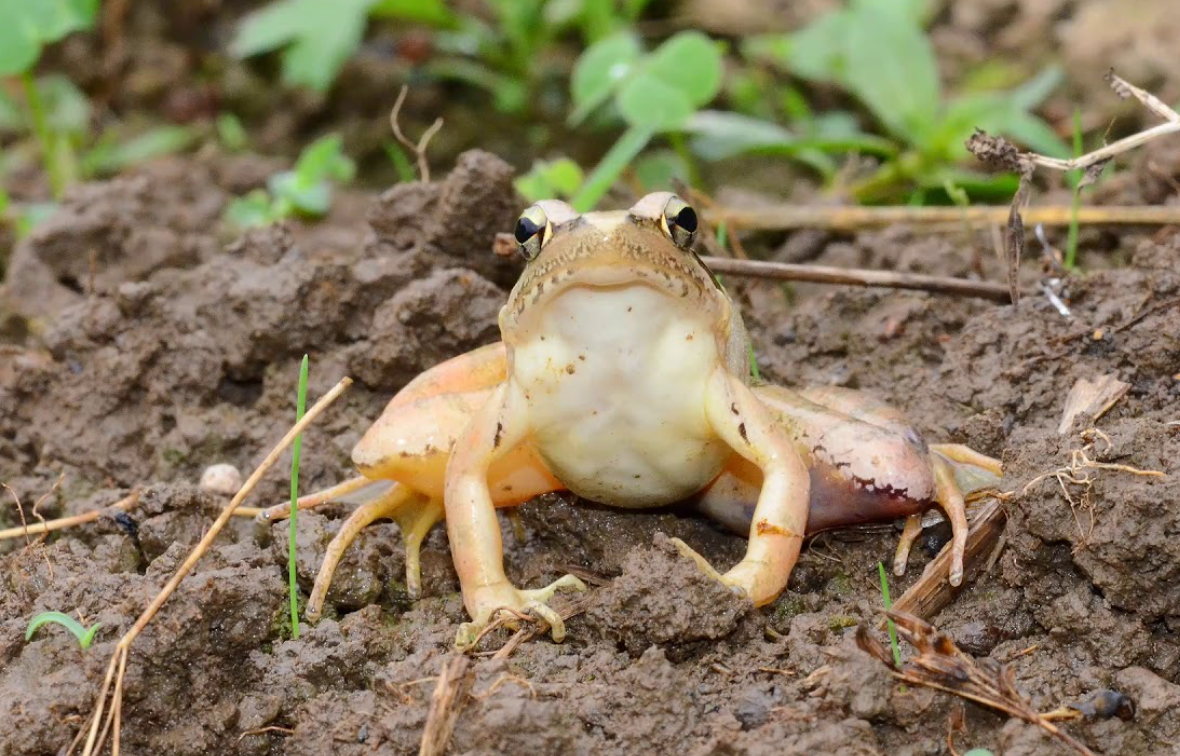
<point>942,666</point>
<point>446,704</point>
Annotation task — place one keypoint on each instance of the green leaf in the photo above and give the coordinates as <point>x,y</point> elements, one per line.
<point>549,179</point>
<point>67,108</point>
<point>31,215</point>
<point>892,69</point>
<point>600,71</point>
<point>818,52</point>
<point>1037,89</point>
<point>659,168</point>
<point>690,63</point>
<point>314,198</point>
<point>52,20</point>
<point>252,210</point>
<point>19,48</point>
<point>84,635</point>
<point>163,140</point>
<point>324,159</point>
<point>26,25</point>
<point>719,135</point>
<point>318,36</point>
<point>431,12</point>
<point>231,132</point>
<point>647,102</point>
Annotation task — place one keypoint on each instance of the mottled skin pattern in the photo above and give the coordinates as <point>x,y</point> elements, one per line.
<point>623,376</point>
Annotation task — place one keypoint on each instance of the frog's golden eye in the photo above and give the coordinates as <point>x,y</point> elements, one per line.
<point>532,231</point>
<point>679,222</point>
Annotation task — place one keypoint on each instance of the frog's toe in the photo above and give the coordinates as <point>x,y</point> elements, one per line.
<point>414,513</point>
<point>703,565</point>
<point>901,557</point>
<point>492,601</point>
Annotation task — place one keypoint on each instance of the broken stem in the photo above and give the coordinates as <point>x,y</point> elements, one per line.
<point>857,277</point>
<point>787,217</point>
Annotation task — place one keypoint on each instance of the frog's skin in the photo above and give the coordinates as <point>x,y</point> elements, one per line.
<point>624,377</point>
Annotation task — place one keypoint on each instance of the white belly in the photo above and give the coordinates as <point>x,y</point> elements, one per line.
<point>615,380</point>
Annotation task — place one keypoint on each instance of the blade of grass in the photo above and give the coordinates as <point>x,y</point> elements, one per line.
<point>49,152</point>
<point>888,604</point>
<point>1071,244</point>
<point>84,635</point>
<point>296,447</point>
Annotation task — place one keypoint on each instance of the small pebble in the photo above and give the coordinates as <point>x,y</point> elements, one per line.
<point>222,479</point>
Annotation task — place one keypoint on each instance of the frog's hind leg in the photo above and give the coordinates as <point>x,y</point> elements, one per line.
<point>913,529</point>
<point>958,471</point>
<point>414,513</point>
<point>950,498</point>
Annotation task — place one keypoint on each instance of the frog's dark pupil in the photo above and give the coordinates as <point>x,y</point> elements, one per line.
<point>687,219</point>
<point>525,229</point>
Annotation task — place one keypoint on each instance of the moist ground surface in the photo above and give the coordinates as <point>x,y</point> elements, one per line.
<point>147,343</point>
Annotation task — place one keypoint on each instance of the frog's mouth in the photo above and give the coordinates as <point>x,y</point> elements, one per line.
<point>622,254</point>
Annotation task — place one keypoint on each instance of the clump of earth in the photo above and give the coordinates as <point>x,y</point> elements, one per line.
<point>146,342</point>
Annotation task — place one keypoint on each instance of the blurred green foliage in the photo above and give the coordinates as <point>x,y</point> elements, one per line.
<point>666,105</point>
<point>305,191</point>
<point>879,53</point>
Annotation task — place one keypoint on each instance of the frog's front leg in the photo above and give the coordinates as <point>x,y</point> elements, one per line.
<point>476,548</point>
<point>780,516</point>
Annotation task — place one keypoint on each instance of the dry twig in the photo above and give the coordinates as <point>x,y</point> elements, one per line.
<point>854,218</point>
<point>417,148</point>
<point>858,277</point>
<point>933,591</point>
<point>446,704</point>
<point>505,246</point>
<point>100,727</point>
<point>942,666</point>
<point>999,152</point>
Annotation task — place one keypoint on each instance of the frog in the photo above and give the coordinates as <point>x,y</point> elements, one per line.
<point>623,375</point>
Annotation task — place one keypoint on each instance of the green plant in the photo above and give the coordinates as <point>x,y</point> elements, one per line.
<point>878,51</point>
<point>653,93</point>
<point>1071,242</point>
<point>317,36</point>
<point>85,635</point>
<point>26,27</point>
<point>306,190</point>
<point>888,603</point>
<point>550,179</point>
<point>510,57</point>
<point>296,448</point>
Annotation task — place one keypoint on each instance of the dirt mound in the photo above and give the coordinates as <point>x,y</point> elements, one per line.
<point>171,363</point>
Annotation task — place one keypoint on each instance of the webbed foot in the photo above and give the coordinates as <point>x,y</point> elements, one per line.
<point>488,601</point>
<point>414,513</point>
<point>736,583</point>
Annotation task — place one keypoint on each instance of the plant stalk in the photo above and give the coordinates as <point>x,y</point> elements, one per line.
<point>296,448</point>
<point>44,136</point>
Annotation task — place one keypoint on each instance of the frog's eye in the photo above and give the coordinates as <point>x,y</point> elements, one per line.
<point>679,222</point>
<point>532,231</point>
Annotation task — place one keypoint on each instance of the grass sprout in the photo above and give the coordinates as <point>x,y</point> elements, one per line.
<point>85,635</point>
<point>296,448</point>
<point>888,605</point>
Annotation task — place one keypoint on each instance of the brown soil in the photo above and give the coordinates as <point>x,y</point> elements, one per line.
<point>174,346</point>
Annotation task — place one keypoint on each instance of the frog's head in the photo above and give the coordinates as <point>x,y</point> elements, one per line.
<point>648,245</point>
